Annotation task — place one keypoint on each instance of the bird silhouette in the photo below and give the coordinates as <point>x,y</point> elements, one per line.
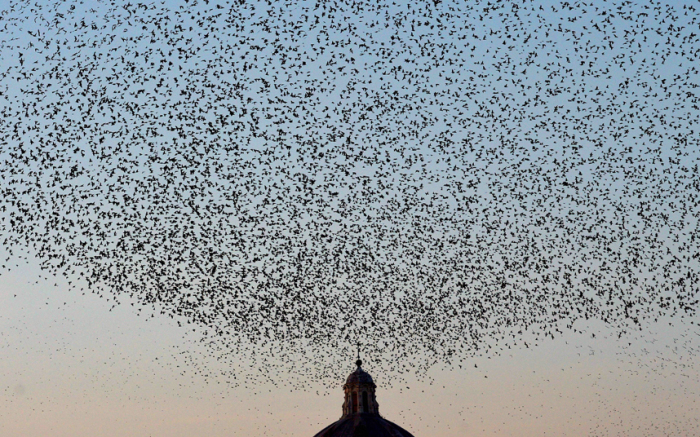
<point>442,180</point>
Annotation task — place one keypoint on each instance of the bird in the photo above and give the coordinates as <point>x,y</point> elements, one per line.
<point>442,181</point>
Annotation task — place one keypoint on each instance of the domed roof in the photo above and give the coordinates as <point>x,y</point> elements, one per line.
<point>363,425</point>
<point>361,411</point>
<point>359,376</point>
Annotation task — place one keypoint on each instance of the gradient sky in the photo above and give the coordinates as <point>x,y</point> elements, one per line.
<point>73,364</point>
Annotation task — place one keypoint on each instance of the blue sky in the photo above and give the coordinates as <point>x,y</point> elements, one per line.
<point>430,177</point>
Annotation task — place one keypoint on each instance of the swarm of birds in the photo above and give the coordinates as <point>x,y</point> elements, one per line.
<point>437,179</point>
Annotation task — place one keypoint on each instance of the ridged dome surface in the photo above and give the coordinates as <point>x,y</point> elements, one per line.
<point>363,425</point>
<point>359,376</point>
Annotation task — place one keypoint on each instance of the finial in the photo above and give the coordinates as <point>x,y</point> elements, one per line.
<point>359,361</point>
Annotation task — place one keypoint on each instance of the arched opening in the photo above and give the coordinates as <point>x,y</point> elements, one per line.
<point>354,402</point>
<point>365,402</point>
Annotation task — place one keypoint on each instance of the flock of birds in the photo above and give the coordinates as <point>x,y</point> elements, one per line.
<point>436,180</point>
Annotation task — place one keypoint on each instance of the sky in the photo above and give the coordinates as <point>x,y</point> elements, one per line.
<point>205,205</point>
<point>72,366</point>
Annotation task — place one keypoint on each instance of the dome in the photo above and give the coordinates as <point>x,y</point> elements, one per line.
<point>363,425</point>
<point>361,411</point>
<point>359,376</point>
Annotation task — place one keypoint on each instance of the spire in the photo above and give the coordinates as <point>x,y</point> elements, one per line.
<point>359,392</point>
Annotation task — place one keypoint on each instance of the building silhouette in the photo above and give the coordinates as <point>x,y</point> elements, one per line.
<point>361,411</point>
